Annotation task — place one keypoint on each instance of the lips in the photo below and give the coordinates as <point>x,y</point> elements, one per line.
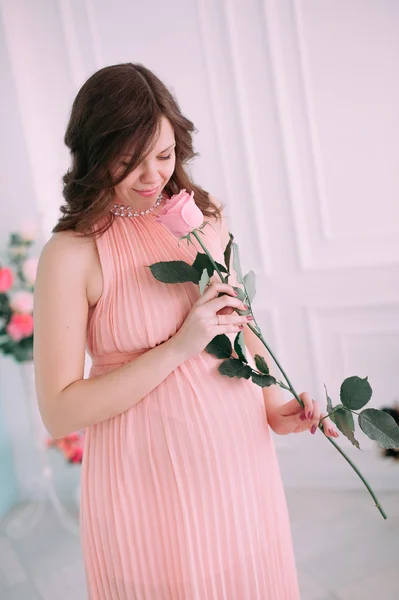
<point>147,191</point>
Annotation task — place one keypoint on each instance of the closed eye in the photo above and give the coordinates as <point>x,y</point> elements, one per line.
<point>125,164</point>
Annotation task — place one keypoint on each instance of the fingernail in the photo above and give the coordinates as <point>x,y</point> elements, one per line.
<point>313,428</point>
<point>249,318</point>
<point>310,415</point>
<point>302,416</point>
<point>246,307</point>
<point>235,293</point>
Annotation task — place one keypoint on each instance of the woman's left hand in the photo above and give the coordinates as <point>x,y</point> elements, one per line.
<point>292,418</point>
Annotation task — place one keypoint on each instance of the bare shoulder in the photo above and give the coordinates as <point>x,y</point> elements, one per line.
<point>70,261</point>
<point>66,245</point>
<point>67,255</point>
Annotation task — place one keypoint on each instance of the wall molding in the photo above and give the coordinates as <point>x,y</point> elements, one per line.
<point>241,110</point>
<point>317,246</point>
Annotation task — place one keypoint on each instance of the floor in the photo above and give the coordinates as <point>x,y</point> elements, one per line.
<point>344,549</point>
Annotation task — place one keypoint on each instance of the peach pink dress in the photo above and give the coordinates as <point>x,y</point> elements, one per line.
<point>182,497</point>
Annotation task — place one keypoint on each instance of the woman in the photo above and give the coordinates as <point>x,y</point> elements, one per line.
<point>181,490</point>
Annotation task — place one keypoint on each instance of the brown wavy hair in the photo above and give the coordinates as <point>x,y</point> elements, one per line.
<point>118,111</point>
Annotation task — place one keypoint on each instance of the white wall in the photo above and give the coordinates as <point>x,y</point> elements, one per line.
<point>296,106</point>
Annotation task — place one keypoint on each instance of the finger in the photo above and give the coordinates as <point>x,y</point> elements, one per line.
<point>308,404</point>
<point>324,420</point>
<point>326,424</point>
<point>217,303</point>
<point>292,407</point>
<point>227,310</point>
<point>211,291</point>
<point>234,319</point>
<point>328,427</point>
<point>331,432</point>
<point>316,417</point>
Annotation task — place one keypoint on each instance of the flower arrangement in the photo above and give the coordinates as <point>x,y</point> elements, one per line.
<point>70,445</point>
<point>184,219</point>
<point>17,278</point>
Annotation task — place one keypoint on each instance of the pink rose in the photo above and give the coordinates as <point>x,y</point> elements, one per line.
<point>6,279</point>
<point>180,214</point>
<point>20,326</point>
<point>29,270</point>
<point>22,302</point>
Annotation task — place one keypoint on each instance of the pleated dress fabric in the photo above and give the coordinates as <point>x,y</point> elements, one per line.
<point>181,497</point>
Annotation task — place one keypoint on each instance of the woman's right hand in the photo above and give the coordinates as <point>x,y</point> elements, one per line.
<point>202,324</point>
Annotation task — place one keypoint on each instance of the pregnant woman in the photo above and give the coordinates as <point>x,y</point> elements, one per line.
<point>181,497</point>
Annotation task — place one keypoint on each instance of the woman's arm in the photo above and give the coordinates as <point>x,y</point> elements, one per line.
<point>67,402</point>
<point>273,395</point>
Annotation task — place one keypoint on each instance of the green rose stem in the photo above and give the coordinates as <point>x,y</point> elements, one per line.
<point>290,387</point>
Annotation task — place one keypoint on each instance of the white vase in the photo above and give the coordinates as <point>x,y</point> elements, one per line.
<point>33,470</point>
<point>26,430</point>
<point>36,426</point>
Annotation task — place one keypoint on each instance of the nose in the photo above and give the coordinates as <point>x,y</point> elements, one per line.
<point>150,176</point>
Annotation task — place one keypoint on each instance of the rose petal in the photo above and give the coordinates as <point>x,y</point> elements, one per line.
<point>171,203</point>
<point>192,214</point>
<point>176,225</point>
<point>178,205</point>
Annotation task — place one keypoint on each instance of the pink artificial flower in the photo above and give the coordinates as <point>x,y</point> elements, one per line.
<point>22,302</point>
<point>75,455</point>
<point>181,214</point>
<point>29,270</point>
<point>6,279</point>
<point>20,326</point>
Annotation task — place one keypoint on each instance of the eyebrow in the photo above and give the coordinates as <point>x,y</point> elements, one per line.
<point>171,146</point>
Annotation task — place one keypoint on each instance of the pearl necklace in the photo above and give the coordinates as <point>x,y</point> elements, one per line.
<point>123,210</point>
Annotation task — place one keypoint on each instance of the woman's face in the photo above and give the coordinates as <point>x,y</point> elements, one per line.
<point>153,173</point>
